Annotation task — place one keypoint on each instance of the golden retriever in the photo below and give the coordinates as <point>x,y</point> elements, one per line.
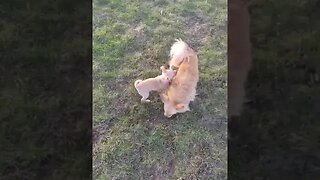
<point>158,83</point>
<point>182,89</point>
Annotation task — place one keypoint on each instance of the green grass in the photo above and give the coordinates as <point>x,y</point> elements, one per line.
<point>131,40</point>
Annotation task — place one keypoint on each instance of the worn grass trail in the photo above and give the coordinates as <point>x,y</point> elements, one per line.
<point>131,40</point>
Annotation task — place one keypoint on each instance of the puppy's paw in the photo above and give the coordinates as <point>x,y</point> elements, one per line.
<point>145,100</point>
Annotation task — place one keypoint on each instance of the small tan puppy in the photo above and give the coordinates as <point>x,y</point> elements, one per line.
<point>182,89</point>
<point>158,83</point>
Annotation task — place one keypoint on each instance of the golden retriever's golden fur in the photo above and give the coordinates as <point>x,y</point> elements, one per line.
<point>182,89</point>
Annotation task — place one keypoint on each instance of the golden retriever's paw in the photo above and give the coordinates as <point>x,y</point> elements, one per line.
<point>182,108</point>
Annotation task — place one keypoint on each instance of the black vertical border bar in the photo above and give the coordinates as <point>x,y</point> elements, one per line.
<point>46,89</point>
<point>277,134</point>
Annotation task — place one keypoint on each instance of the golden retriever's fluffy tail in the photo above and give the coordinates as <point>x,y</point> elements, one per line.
<point>179,50</point>
<point>137,82</point>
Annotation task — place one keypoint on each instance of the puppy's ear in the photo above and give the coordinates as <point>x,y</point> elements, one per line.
<point>179,106</point>
<point>163,69</point>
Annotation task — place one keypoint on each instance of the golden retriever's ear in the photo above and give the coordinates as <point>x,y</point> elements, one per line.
<point>179,106</point>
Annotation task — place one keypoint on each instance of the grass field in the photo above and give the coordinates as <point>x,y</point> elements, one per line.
<point>131,40</point>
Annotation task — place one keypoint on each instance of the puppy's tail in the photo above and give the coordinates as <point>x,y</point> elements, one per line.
<point>137,82</point>
<point>180,50</point>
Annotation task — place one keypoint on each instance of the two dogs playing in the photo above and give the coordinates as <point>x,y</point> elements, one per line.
<point>177,88</point>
